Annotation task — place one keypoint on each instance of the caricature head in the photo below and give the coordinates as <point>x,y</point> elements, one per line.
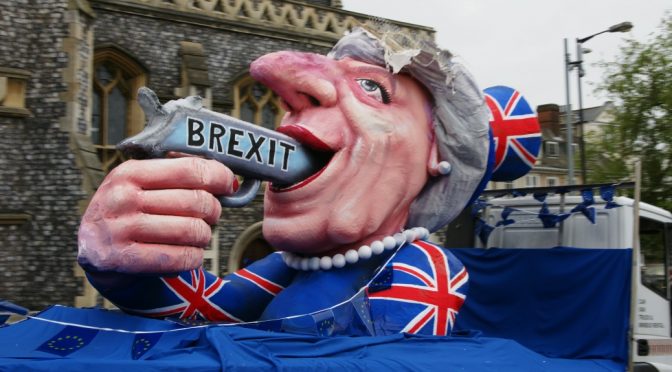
<point>386,130</point>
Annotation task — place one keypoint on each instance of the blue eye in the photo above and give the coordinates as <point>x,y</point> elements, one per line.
<point>375,90</point>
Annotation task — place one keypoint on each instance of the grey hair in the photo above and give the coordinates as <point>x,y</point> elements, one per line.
<point>460,119</point>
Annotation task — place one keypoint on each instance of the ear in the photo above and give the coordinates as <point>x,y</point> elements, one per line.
<point>433,160</point>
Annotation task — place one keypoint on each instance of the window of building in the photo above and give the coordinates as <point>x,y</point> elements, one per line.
<point>255,103</point>
<point>115,113</point>
<point>551,181</point>
<point>13,92</point>
<point>532,180</point>
<point>552,149</point>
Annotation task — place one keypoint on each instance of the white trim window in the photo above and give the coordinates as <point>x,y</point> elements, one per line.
<point>532,180</point>
<point>552,149</point>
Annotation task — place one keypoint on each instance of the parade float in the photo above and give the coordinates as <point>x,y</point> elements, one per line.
<point>386,140</point>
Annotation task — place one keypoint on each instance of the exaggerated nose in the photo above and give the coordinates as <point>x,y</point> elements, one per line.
<point>303,80</point>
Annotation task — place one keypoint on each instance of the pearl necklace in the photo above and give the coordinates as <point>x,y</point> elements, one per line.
<point>352,256</point>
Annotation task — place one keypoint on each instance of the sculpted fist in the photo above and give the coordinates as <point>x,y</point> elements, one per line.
<point>154,216</point>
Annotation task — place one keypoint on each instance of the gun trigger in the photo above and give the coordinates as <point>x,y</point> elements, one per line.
<point>245,194</point>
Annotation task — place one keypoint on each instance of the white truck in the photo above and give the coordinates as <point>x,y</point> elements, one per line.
<point>646,230</point>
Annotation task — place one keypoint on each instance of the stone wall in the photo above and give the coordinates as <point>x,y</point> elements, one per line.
<point>48,167</point>
<point>37,170</point>
<point>154,42</point>
<point>232,223</point>
<point>38,167</point>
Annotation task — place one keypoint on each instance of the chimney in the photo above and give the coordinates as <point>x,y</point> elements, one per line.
<point>549,118</point>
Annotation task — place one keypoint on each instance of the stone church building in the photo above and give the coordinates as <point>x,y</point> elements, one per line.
<point>69,75</point>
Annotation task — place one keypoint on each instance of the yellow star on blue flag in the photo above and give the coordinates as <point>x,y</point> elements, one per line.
<point>143,342</point>
<point>68,340</point>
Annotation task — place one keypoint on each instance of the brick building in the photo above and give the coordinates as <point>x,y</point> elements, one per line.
<point>550,168</point>
<point>69,73</point>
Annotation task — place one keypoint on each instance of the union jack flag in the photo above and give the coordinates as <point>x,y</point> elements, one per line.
<point>515,130</point>
<point>427,288</point>
<point>195,297</point>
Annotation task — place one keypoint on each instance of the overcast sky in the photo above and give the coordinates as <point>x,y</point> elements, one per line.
<point>519,43</point>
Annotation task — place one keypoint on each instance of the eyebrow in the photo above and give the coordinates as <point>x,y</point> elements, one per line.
<point>391,81</point>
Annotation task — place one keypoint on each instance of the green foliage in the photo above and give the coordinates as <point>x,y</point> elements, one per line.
<point>640,84</point>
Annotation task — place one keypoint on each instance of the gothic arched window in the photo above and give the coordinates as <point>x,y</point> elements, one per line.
<point>255,103</point>
<point>115,113</point>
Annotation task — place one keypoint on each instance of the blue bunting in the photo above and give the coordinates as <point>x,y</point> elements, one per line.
<point>383,281</point>
<point>540,196</point>
<point>362,317</point>
<point>607,194</point>
<point>477,207</point>
<point>324,322</point>
<point>506,212</point>
<point>505,217</point>
<point>587,195</point>
<point>546,217</point>
<point>483,230</point>
<point>589,212</point>
<point>549,219</point>
<point>584,208</point>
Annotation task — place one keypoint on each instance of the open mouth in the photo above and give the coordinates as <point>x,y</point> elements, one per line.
<point>321,151</point>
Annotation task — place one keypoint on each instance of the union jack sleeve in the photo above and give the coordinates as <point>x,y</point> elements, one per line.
<point>198,294</point>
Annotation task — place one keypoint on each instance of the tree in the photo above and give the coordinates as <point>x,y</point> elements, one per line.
<point>640,85</point>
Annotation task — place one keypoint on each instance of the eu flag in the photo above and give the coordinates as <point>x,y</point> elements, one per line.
<point>383,281</point>
<point>324,322</point>
<point>143,342</point>
<point>68,340</point>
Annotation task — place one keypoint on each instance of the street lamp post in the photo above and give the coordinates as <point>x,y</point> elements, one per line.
<point>578,64</point>
<point>568,120</point>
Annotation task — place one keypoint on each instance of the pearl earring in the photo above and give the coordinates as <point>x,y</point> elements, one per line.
<point>443,168</point>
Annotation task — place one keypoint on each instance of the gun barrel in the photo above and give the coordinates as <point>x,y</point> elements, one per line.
<point>249,150</point>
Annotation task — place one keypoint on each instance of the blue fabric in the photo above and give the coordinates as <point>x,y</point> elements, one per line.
<point>234,348</point>
<point>317,290</point>
<point>560,302</point>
